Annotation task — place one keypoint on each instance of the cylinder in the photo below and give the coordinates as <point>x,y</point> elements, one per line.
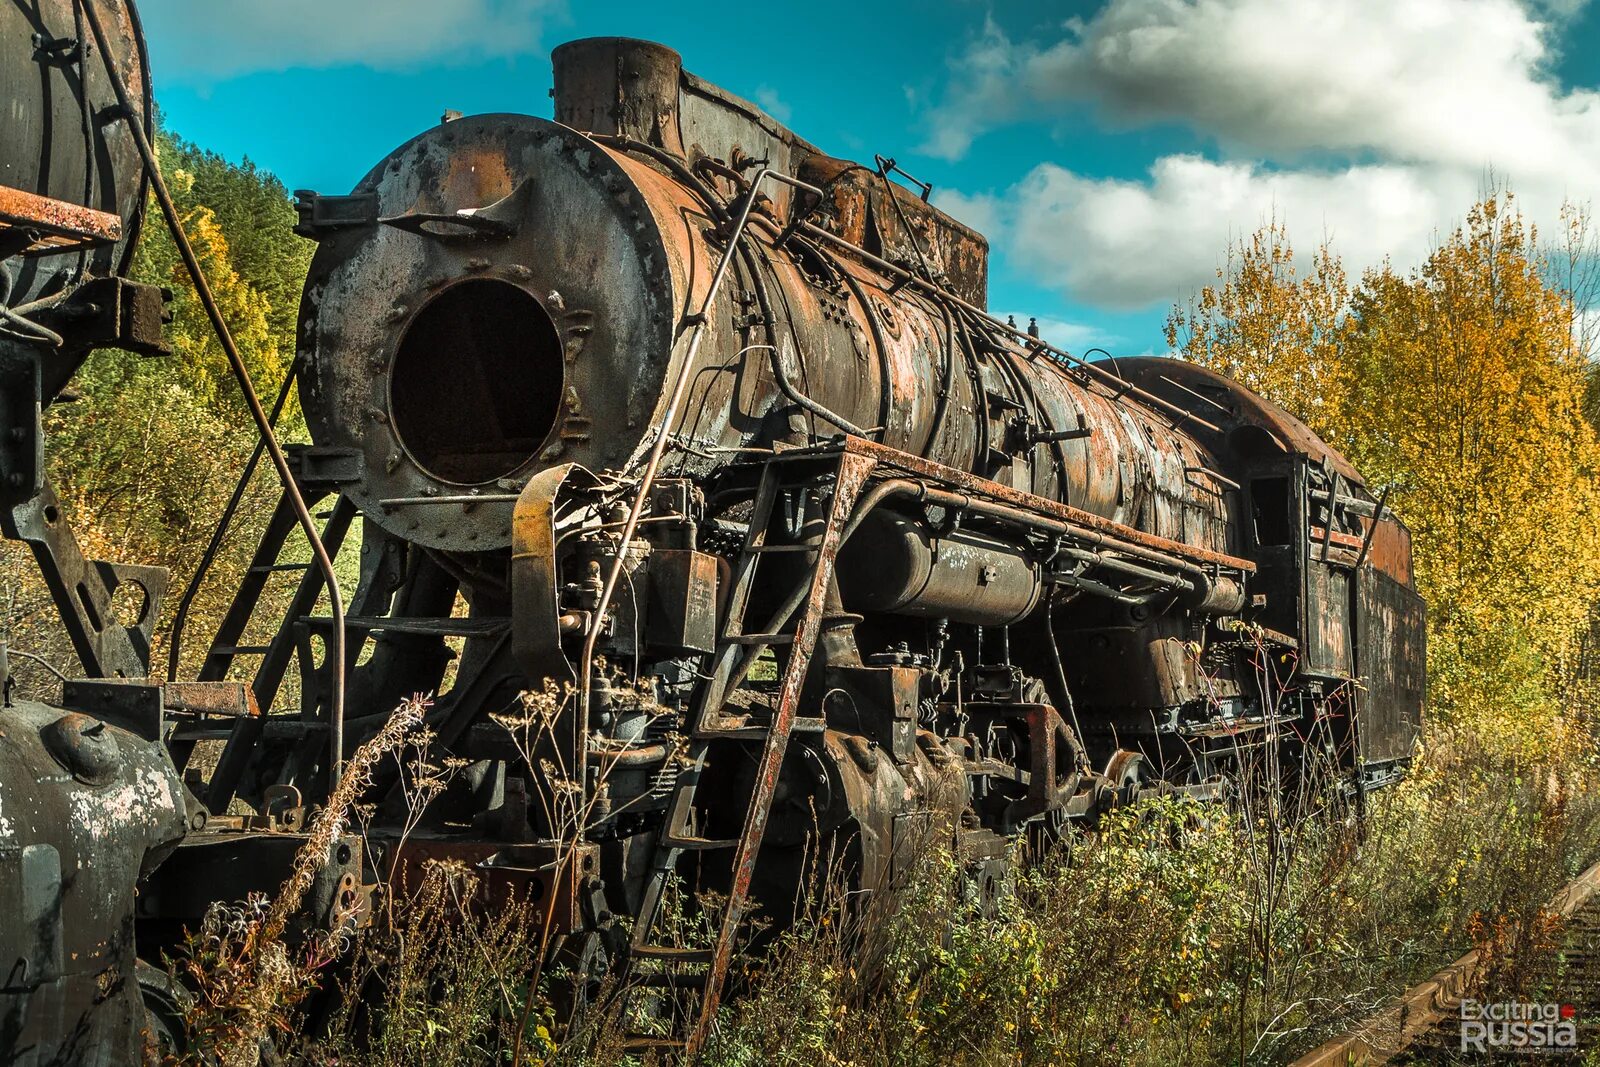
<point>898,565</point>
<point>459,366</point>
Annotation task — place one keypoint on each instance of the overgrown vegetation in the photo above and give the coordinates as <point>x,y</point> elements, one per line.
<point>145,458</point>
<point>1172,934</point>
<point>1148,945</point>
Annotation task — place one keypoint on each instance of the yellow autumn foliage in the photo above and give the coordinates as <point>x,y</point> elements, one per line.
<point>1461,384</point>
<point>1271,327</point>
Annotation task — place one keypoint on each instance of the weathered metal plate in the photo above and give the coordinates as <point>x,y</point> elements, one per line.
<point>58,223</point>
<point>1391,660</point>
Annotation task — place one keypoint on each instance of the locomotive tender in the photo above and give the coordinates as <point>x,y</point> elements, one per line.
<point>704,439</point>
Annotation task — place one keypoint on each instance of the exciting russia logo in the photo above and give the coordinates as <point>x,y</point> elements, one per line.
<point>1517,1026</point>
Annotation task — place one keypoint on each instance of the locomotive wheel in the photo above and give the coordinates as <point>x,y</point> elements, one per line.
<point>1128,773</point>
<point>164,1003</point>
<point>586,960</point>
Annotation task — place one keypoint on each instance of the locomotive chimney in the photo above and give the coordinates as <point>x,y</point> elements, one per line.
<point>621,86</point>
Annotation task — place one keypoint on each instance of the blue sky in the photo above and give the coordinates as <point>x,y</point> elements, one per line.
<point>1109,150</point>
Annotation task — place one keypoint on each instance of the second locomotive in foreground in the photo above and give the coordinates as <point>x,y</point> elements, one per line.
<point>661,411</point>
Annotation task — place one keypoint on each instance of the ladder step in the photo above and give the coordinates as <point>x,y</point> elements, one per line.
<point>273,728</point>
<point>291,729</point>
<point>201,734</point>
<point>760,639</point>
<point>273,568</point>
<point>241,650</point>
<point>697,844</point>
<point>759,732</point>
<point>671,953</point>
<point>781,548</point>
<point>433,627</point>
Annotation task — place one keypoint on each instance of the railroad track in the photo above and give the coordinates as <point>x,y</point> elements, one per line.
<point>1424,1026</point>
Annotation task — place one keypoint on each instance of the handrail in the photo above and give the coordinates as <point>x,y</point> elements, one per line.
<point>269,437</point>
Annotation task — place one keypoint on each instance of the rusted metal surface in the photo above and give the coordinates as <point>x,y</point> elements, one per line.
<point>609,394</point>
<point>852,475</point>
<point>547,876</point>
<point>231,699</point>
<point>1207,389</point>
<point>108,647</point>
<point>1113,532</point>
<point>55,222</point>
<point>903,229</point>
<point>927,376</point>
<point>902,567</point>
<point>62,143</point>
<point>1066,534</point>
<point>84,807</point>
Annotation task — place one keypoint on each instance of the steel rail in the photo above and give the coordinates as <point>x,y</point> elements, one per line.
<point>1391,1031</point>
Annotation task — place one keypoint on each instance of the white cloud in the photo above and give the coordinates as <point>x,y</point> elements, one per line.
<point>1073,336</point>
<point>201,41</point>
<point>1128,244</point>
<point>773,104</point>
<point>1419,79</point>
<point>1373,121</point>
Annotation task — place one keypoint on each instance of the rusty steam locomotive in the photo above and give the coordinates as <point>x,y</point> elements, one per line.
<point>727,528</point>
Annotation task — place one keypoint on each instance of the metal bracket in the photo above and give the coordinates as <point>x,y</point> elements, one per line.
<point>325,467</point>
<point>321,214</point>
<point>82,589</point>
<point>501,220</point>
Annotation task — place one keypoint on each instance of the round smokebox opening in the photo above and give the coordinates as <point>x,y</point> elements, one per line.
<point>476,382</point>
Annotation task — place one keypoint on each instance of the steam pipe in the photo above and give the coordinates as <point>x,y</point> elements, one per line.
<point>899,273</point>
<point>795,396</point>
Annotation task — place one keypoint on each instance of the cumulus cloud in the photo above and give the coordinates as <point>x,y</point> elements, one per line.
<point>1374,122</point>
<point>1424,79</point>
<point>769,100</point>
<point>210,40</point>
<point>1128,244</point>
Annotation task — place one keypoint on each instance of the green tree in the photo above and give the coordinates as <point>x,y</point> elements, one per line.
<point>147,456</point>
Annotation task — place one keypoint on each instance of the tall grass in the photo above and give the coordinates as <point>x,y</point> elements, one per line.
<point>1149,942</point>
<point>1155,939</point>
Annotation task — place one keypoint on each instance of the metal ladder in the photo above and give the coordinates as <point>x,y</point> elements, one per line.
<point>275,656</point>
<point>708,723</point>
